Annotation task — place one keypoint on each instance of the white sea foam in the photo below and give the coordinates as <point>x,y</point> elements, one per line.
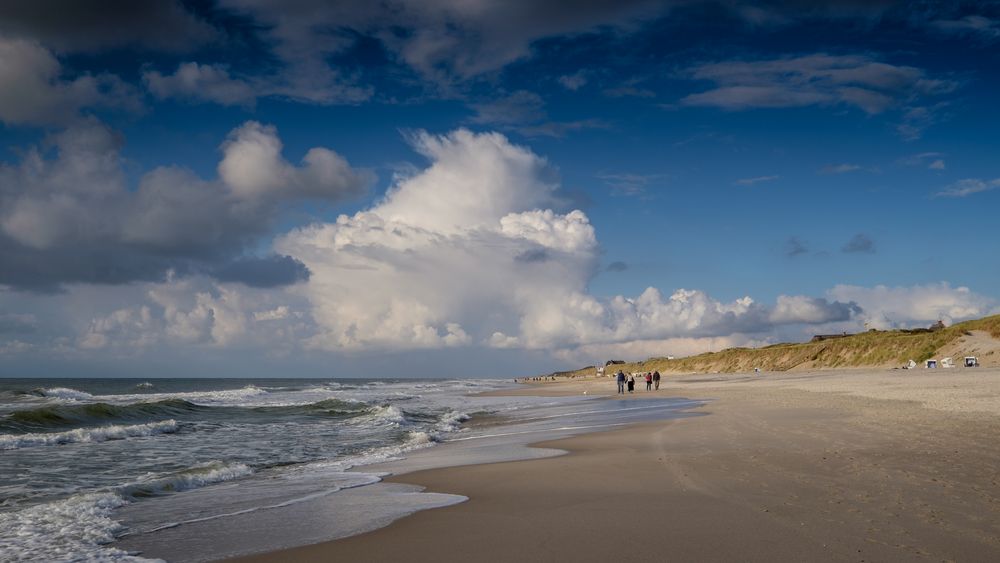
<point>352,481</point>
<point>66,393</point>
<point>380,415</point>
<point>452,421</point>
<point>75,529</point>
<point>72,529</point>
<point>78,435</point>
<point>222,398</point>
<point>193,478</point>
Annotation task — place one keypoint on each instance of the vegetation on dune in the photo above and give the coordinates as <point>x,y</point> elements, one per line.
<point>867,349</point>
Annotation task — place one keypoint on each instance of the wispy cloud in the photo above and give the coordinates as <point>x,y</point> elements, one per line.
<point>932,160</point>
<point>756,180</point>
<point>524,112</point>
<point>574,81</point>
<point>977,26</point>
<point>629,184</point>
<point>795,246</point>
<point>839,168</point>
<point>969,186</point>
<point>816,80</point>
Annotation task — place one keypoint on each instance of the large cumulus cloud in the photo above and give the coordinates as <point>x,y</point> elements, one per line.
<point>919,305</point>
<point>473,251</point>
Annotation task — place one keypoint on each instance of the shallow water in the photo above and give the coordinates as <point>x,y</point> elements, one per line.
<point>200,469</point>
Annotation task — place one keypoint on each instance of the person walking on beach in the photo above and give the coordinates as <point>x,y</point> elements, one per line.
<point>631,383</point>
<point>621,381</point>
<point>656,379</point>
<point>649,381</point>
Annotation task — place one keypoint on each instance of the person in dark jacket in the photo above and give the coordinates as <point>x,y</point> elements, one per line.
<point>656,379</point>
<point>621,381</point>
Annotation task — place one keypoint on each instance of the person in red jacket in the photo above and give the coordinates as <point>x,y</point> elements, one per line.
<point>649,381</point>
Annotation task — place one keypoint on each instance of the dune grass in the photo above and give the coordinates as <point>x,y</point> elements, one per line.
<point>872,348</point>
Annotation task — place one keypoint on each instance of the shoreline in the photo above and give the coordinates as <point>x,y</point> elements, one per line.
<point>838,466</point>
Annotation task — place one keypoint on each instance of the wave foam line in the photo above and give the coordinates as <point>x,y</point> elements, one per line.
<point>79,528</point>
<point>320,494</point>
<point>560,429</point>
<point>83,435</point>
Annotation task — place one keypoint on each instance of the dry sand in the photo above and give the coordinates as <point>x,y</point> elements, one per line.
<point>822,466</point>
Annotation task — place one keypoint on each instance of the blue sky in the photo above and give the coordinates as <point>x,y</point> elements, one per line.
<point>246,187</point>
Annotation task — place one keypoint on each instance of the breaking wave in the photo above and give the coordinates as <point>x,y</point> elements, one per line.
<point>75,415</point>
<point>192,478</point>
<point>77,528</point>
<point>96,434</point>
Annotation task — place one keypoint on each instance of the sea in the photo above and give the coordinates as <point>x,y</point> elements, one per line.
<point>202,469</point>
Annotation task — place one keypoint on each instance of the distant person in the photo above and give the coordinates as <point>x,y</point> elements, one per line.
<point>621,381</point>
<point>656,379</point>
<point>631,383</point>
<point>649,381</point>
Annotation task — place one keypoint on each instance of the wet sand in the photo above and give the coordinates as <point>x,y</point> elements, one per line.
<point>825,466</point>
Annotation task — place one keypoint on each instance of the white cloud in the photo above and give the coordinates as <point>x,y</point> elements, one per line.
<point>919,305</point>
<point>197,312</point>
<point>201,82</point>
<point>414,270</point>
<point>840,168</point>
<point>254,169</point>
<point>129,327</point>
<point>463,253</point>
<point>756,180</point>
<point>275,314</point>
<point>35,93</point>
<point>969,186</point>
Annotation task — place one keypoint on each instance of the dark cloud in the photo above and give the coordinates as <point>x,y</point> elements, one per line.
<point>811,310</point>
<point>524,112</point>
<point>265,272</point>
<point>72,218</point>
<point>795,246</point>
<point>617,266</point>
<point>93,25</point>
<point>860,243</point>
<point>813,80</point>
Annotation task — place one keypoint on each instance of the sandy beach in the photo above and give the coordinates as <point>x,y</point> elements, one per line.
<point>818,466</point>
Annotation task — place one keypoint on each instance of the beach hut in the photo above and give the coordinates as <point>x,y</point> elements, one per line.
<point>947,363</point>
<point>911,365</point>
<point>930,364</point>
<point>971,362</point>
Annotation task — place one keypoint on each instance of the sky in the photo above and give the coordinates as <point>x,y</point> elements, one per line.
<point>238,188</point>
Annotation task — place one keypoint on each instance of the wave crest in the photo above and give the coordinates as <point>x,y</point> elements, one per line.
<point>79,435</point>
<point>55,416</point>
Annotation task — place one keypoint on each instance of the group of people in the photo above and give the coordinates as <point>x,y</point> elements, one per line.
<point>652,378</point>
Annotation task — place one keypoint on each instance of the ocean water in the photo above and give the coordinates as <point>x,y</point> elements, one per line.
<point>198,469</point>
